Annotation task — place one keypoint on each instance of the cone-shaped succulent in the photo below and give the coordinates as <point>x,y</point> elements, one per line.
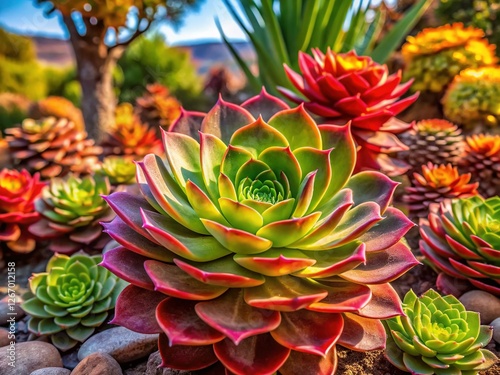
<point>255,247</point>
<point>129,136</point>
<point>481,158</point>
<point>461,240</point>
<point>71,210</point>
<point>345,87</point>
<point>58,107</point>
<point>157,107</point>
<point>18,192</point>
<point>437,335</point>
<point>434,185</point>
<point>119,170</point>
<point>434,140</point>
<point>472,98</point>
<point>71,299</point>
<point>435,55</point>
<point>51,147</point>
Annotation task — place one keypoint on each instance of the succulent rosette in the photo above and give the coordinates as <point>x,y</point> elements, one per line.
<point>129,137</point>
<point>460,239</point>
<point>434,185</point>
<point>435,55</point>
<point>53,147</point>
<point>254,247</point>
<point>481,158</point>
<point>18,192</point>
<point>433,140</point>
<point>71,299</point>
<point>472,98</point>
<point>119,170</point>
<point>71,210</point>
<point>437,335</point>
<point>342,87</point>
<point>157,107</point>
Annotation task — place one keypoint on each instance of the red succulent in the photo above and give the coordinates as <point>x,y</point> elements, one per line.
<point>18,191</point>
<point>342,87</point>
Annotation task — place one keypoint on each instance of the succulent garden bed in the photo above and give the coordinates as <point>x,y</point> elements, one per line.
<point>263,237</point>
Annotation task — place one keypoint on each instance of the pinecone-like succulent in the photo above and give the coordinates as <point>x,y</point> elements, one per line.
<point>18,192</point>
<point>129,137</point>
<point>157,107</point>
<point>437,335</point>
<point>71,299</point>
<point>71,211</point>
<point>346,87</point>
<point>255,247</point>
<point>58,107</point>
<point>461,240</point>
<point>434,185</point>
<point>52,147</point>
<point>435,55</point>
<point>472,98</point>
<point>436,141</point>
<point>481,159</point>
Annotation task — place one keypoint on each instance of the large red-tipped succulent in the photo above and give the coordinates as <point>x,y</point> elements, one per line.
<point>18,192</point>
<point>461,240</point>
<point>341,87</point>
<point>255,247</point>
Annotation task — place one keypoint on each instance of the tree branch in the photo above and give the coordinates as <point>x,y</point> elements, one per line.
<point>135,35</point>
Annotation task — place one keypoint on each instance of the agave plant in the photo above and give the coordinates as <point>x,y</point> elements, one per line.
<point>71,299</point>
<point>434,185</point>
<point>460,239</point>
<point>435,55</point>
<point>437,335</point>
<point>18,192</point>
<point>481,158</point>
<point>119,170</point>
<point>52,147</point>
<point>280,29</point>
<point>255,247</point>
<point>157,107</point>
<point>130,137</point>
<point>348,87</point>
<point>71,210</point>
<point>472,98</point>
<point>433,140</point>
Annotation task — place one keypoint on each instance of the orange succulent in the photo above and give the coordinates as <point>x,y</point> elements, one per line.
<point>434,185</point>
<point>157,107</point>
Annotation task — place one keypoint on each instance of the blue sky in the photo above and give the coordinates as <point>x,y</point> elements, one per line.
<point>24,17</point>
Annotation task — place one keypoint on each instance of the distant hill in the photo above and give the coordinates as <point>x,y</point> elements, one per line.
<point>205,55</point>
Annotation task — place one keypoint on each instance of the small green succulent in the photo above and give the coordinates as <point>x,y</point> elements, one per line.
<point>71,298</point>
<point>438,336</point>
<point>119,170</point>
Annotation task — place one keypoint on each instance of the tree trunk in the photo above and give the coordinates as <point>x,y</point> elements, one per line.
<point>98,98</point>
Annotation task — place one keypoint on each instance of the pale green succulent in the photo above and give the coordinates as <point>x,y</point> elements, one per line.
<point>119,170</point>
<point>438,336</point>
<point>71,299</point>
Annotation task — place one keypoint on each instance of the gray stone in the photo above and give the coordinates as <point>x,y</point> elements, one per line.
<point>153,368</point>
<point>486,304</point>
<point>98,364</point>
<point>28,357</point>
<point>51,371</point>
<point>4,337</point>
<point>5,308</point>
<point>121,343</point>
<point>496,329</point>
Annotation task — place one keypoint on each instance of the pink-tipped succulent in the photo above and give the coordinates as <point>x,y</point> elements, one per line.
<point>18,192</point>
<point>461,240</point>
<point>254,247</point>
<point>342,87</point>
